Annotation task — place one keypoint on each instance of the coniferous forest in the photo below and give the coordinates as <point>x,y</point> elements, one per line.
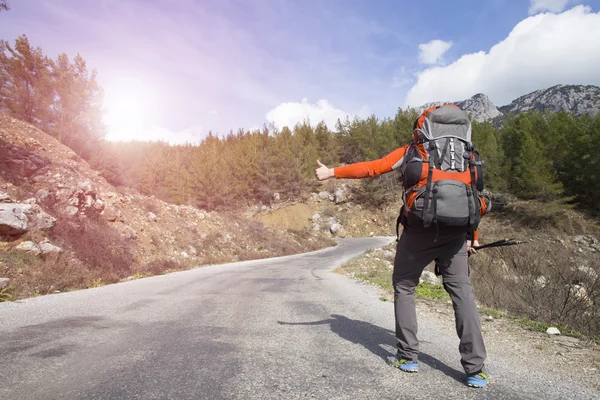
<point>533,155</point>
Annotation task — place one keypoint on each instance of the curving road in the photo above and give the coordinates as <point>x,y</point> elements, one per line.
<point>284,328</point>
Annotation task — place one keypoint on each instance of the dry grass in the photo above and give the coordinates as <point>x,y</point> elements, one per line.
<point>99,247</point>
<point>31,275</point>
<point>540,281</point>
<point>296,216</point>
<point>159,267</point>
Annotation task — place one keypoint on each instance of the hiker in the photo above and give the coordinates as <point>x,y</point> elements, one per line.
<point>442,181</point>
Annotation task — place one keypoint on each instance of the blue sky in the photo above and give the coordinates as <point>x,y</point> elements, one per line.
<point>174,69</point>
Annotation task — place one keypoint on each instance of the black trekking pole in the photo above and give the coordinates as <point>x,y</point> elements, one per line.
<point>499,243</point>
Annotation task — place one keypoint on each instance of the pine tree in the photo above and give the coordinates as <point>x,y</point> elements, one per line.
<point>78,118</point>
<point>485,139</point>
<point>210,176</point>
<point>26,91</point>
<point>327,147</point>
<point>529,172</point>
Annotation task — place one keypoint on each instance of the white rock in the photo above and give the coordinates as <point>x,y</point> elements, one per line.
<point>29,247</point>
<point>71,211</point>
<point>152,217</point>
<point>324,195</point>
<point>316,217</point>
<point>335,228</point>
<point>86,186</point>
<point>316,227</point>
<point>4,282</point>
<point>5,198</point>
<point>541,281</point>
<point>340,196</point>
<point>430,277</point>
<point>48,248</point>
<point>41,195</point>
<point>552,331</point>
<point>16,219</point>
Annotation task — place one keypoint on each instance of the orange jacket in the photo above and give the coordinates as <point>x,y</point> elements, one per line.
<point>365,169</point>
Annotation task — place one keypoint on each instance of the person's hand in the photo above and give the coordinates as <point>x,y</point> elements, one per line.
<point>470,246</point>
<point>323,172</point>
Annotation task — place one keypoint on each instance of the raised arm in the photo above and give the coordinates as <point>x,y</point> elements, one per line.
<point>364,169</point>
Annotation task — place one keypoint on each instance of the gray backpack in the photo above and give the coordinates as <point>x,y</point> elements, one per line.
<point>442,173</point>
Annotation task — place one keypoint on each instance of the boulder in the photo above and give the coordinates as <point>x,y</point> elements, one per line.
<point>111,214</point>
<point>324,195</point>
<point>552,331</point>
<point>5,198</point>
<point>152,217</point>
<point>42,195</point>
<point>71,210</point>
<point>49,248</point>
<point>429,277</point>
<point>13,220</point>
<point>335,228</point>
<point>18,162</point>
<point>4,282</point>
<point>340,196</point>
<point>16,219</point>
<point>29,247</point>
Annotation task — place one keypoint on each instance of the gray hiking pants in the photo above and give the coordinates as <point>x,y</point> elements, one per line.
<point>415,250</point>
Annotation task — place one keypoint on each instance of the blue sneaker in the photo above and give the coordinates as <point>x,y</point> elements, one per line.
<point>402,364</point>
<point>477,380</point>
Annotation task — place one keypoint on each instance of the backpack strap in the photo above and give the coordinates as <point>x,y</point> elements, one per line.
<point>441,160</point>
<point>471,191</point>
<point>428,215</point>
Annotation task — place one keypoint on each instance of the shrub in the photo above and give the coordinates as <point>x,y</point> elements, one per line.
<point>158,267</point>
<point>100,247</point>
<point>540,281</point>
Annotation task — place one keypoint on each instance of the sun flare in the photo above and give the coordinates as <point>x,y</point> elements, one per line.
<point>128,108</point>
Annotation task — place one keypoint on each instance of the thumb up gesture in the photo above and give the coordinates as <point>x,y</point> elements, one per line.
<point>323,172</point>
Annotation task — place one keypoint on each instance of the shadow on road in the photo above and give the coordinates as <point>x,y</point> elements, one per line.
<point>373,338</point>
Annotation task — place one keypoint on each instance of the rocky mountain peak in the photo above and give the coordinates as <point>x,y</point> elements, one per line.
<point>479,107</point>
<point>575,99</point>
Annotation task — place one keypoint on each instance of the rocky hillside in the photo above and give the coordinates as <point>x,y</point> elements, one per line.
<point>63,226</point>
<point>575,99</point>
<point>479,107</point>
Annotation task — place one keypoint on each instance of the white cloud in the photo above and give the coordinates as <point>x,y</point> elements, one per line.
<point>541,51</point>
<point>289,114</point>
<point>433,52</point>
<point>555,6</point>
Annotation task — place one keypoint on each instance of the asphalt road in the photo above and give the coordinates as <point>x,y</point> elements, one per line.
<point>285,328</point>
